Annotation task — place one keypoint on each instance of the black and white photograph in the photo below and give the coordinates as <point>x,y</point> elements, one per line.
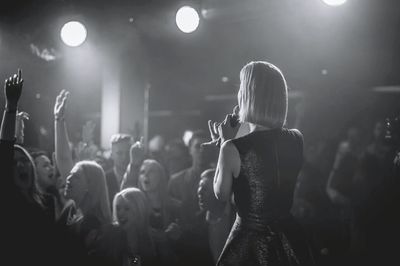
<point>200,132</point>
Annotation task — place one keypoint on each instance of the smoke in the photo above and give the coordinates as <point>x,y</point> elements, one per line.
<point>45,54</point>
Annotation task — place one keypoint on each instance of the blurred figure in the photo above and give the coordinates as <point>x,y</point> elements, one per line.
<point>340,182</point>
<point>311,205</point>
<point>375,230</point>
<point>86,149</point>
<point>156,148</point>
<point>177,156</point>
<point>340,189</point>
<point>136,158</point>
<point>193,243</point>
<point>219,215</point>
<point>183,185</point>
<point>120,146</point>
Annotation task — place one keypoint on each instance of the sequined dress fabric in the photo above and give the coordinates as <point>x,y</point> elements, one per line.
<point>264,232</point>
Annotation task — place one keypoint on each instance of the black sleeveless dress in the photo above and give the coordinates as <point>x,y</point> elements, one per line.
<point>264,232</point>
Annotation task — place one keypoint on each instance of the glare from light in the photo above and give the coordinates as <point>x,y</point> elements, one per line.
<point>224,79</point>
<point>334,2</point>
<point>187,19</point>
<point>187,135</point>
<point>73,33</point>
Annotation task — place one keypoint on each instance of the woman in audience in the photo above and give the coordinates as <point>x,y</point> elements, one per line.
<point>48,184</point>
<point>26,223</point>
<point>46,177</point>
<point>260,169</point>
<point>131,214</point>
<point>89,212</point>
<point>86,186</point>
<point>164,211</point>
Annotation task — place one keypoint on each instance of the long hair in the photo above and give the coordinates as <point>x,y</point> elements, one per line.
<point>33,191</point>
<point>161,187</point>
<point>263,96</point>
<point>137,201</point>
<point>96,200</point>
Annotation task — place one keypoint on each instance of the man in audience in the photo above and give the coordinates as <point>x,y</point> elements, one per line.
<point>177,156</point>
<point>193,243</point>
<point>183,185</point>
<point>120,146</point>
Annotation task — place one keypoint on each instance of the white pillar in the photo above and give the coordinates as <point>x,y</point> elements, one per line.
<point>110,103</point>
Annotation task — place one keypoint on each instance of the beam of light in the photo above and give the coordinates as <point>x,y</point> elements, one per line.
<point>187,19</point>
<point>334,2</point>
<point>73,33</point>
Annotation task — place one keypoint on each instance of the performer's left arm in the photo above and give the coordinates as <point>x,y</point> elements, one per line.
<point>228,168</point>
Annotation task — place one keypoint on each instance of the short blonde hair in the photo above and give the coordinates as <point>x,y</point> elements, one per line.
<point>263,96</point>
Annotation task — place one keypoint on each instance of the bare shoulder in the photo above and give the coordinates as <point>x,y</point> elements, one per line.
<point>231,156</point>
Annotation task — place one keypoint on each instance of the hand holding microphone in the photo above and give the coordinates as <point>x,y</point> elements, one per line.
<point>227,129</point>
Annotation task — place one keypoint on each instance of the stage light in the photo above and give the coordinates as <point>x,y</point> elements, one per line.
<point>187,19</point>
<point>334,2</point>
<point>73,33</point>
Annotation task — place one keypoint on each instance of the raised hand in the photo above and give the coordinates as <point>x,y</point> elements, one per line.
<point>59,107</point>
<point>137,152</point>
<point>19,126</point>
<point>12,90</point>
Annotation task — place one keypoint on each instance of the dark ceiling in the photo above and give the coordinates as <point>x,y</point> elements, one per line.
<point>354,46</point>
<point>357,42</point>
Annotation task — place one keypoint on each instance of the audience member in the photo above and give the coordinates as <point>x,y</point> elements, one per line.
<point>219,215</point>
<point>27,221</point>
<point>131,214</point>
<point>177,156</point>
<point>88,211</point>
<point>183,187</point>
<point>120,146</point>
<point>86,149</point>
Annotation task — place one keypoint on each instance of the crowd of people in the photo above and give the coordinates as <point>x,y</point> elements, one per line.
<point>252,200</point>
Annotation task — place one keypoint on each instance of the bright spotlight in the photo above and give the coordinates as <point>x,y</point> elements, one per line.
<point>187,19</point>
<point>334,2</point>
<point>73,33</point>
